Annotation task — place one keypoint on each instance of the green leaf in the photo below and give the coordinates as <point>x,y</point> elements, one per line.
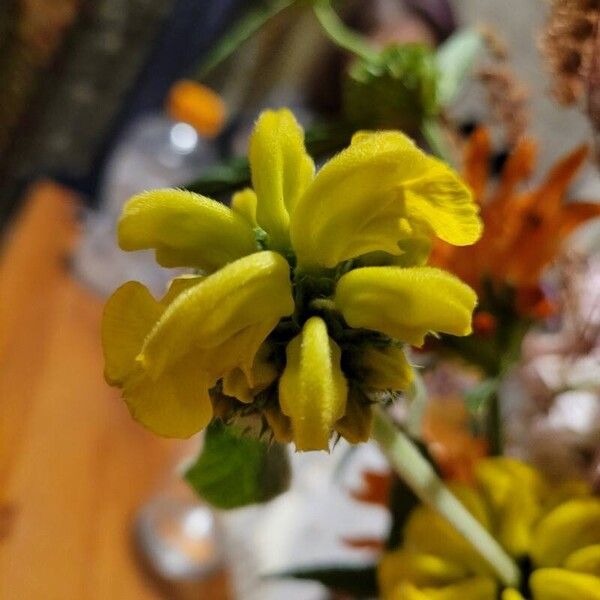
<point>455,59</point>
<point>234,470</point>
<point>358,582</point>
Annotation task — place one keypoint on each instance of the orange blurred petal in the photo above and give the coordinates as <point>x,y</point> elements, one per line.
<point>449,439</point>
<point>518,167</point>
<point>477,161</point>
<point>364,543</point>
<point>375,488</point>
<point>576,213</point>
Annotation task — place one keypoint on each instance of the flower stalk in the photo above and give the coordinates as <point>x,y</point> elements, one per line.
<point>339,33</point>
<point>418,473</point>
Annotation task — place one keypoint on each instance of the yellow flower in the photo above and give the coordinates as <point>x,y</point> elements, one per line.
<point>554,531</point>
<point>308,287</point>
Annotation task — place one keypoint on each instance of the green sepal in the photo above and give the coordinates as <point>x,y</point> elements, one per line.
<point>234,470</point>
<point>396,90</point>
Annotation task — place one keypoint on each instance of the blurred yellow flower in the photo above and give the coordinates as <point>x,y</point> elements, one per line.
<point>309,286</point>
<point>553,531</point>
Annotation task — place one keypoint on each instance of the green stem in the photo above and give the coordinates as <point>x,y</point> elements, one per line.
<point>340,34</point>
<point>418,473</point>
<point>245,28</point>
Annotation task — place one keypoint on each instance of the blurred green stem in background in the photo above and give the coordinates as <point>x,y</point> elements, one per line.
<point>340,34</point>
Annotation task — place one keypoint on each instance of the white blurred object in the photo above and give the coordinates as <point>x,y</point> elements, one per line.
<point>552,401</point>
<point>305,526</point>
<point>154,152</point>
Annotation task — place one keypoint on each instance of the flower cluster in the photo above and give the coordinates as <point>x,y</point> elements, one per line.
<point>553,531</point>
<point>304,290</point>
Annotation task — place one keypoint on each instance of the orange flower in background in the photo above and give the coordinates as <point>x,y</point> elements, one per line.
<point>449,440</point>
<point>524,229</point>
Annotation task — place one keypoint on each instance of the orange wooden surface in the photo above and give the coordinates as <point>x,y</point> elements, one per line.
<point>74,467</point>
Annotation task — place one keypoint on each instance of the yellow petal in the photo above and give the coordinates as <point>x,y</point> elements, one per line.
<point>511,594</point>
<point>176,404</point>
<point>355,426</point>
<point>427,532</point>
<point>129,316</point>
<point>585,560</point>
<point>406,591</point>
<point>570,526</point>
<point>357,201</point>
<point>180,284</point>
<point>386,368</point>
<point>442,201</point>
<point>406,304</point>
<point>238,351</point>
<point>513,491</point>
<point>244,204</point>
<point>312,388</point>
<point>418,568</point>
<point>473,588</point>
<point>185,229</point>
<point>281,171</point>
<point>253,292</point>
<point>262,374</point>
<point>559,584</point>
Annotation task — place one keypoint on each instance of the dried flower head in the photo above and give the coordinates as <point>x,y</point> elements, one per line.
<point>568,43</point>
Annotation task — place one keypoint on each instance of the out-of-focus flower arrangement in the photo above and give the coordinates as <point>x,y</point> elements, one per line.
<point>363,300</point>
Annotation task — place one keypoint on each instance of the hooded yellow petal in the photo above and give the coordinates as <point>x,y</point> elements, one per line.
<point>129,316</point>
<point>176,404</point>
<point>569,527</point>
<point>185,229</point>
<point>418,568</point>
<point>312,388</point>
<point>406,304</point>
<point>511,594</point>
<point>559,584</point>
<point>440,199</point>
<point>386,368</point>
<point>246,297</point>
<point>357,201</point>
<point>281,171</point>
<point>244,204</point>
